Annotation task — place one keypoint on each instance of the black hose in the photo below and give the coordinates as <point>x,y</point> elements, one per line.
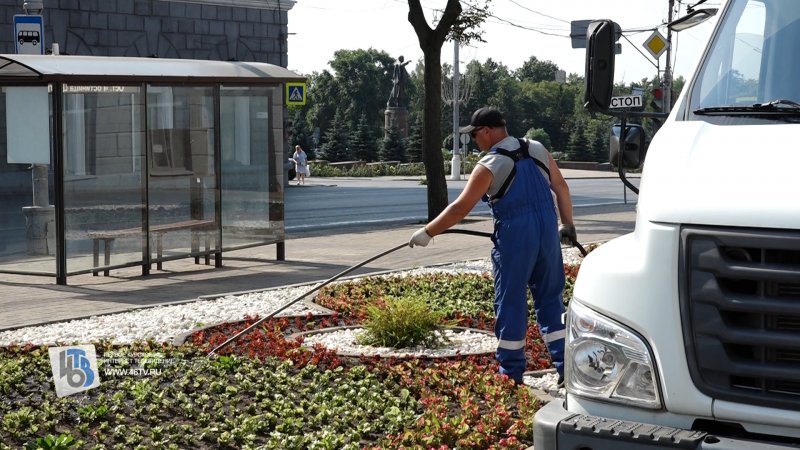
<point>469,232</point>
<point>339,275</point>
<point>575,243</point>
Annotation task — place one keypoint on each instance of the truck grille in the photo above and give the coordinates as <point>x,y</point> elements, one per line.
<point>740,297</point>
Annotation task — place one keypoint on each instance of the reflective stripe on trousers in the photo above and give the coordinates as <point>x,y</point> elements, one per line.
<point>527,256</point>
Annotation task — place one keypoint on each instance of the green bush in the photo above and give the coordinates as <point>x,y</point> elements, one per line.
<point>384,169</point>
<point>404,322</point>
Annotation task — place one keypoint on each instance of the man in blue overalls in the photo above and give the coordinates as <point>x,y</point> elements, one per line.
<point>517,178</point>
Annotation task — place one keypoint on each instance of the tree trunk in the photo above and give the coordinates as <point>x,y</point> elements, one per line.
<point>430,42</point>
<point>432,134</point>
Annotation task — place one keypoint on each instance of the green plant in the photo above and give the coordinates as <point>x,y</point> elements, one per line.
<point>228,363</point>
<point>50,442</point>
<point>91,413</point>
<point>403,322</point>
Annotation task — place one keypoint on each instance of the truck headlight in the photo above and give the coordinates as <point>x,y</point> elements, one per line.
<point>608,361</point>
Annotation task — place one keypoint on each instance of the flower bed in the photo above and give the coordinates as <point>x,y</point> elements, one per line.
<point>268,391</point>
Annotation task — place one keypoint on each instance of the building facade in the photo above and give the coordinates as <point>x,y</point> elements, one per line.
<point>223,30</point>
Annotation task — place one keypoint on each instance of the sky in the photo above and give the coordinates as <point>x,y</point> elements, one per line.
<point>518,30</point>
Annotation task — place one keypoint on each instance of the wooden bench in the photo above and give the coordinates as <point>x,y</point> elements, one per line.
<point>158,231</point>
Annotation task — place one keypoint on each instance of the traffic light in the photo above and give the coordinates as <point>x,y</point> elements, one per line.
<point>658,99</point>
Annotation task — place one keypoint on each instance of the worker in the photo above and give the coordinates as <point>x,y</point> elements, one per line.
<point>518,179</point>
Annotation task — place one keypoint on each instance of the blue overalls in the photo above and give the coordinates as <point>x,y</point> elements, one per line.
<point>526,255</point>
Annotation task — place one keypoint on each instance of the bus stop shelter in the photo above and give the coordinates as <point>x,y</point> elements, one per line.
<point>110,162</point>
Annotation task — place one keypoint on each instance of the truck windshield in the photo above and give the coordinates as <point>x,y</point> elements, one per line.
<point>750,68</point>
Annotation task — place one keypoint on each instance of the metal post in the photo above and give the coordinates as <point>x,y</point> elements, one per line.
<point>455,163</point>
<point>40,226</point>
<point>668,67</point>
<point>39,172</point>
<point>58,178</point>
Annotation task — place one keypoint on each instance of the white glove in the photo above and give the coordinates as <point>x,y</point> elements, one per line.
<point>420,237</point>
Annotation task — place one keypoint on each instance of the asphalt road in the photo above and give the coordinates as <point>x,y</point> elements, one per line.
<point>346,202</point>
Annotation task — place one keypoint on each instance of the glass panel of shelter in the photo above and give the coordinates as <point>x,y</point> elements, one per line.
<point>104,200</point>
<point>27,214</point>
<point>182,183</point>
<point>245,123</point>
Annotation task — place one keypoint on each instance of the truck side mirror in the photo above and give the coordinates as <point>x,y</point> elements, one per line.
<point>634,150</point>
<point>600,39</point>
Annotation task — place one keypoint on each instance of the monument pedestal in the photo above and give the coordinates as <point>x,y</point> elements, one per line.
<point>397,117</point>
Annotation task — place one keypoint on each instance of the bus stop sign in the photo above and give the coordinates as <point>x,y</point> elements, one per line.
<point>29,34</point>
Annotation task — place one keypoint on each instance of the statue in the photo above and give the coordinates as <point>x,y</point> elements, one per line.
<point>399,79</point>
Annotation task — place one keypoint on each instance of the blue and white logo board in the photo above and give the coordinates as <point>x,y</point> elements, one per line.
<point>29,34</point>
<point>74,369</point>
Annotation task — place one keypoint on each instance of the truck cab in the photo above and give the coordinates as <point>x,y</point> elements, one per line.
<point>686,332</point>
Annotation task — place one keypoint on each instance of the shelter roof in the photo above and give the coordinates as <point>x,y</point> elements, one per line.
<point>137,69</point>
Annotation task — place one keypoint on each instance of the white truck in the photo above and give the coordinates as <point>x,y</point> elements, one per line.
<point>686,332</point>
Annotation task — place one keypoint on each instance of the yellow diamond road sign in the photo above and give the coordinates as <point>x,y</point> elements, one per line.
<point>656,44</point>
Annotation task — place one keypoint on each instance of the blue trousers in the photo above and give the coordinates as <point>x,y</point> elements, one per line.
<point>527,257</point>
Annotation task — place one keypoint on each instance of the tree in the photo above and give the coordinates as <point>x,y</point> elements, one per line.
<point>335,147</point>
<point>300,134</point>
<point>536,71</point>
<point>538,134</point>
<point>578,147</point>
<point>358,83</point>
<point>321,88</point>
<point>362,144</point>
<point>487,78</point>
<point>451,23</point>
<point>392,146</point>
<point>364,78</point>
<point>600,144</point>
<point>414,142</point>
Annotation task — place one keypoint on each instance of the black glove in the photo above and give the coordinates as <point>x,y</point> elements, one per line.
<point>567,234</point>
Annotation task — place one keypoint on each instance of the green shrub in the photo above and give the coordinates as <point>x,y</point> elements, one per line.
<point>404,322</point>
<point>50,442</point>
<point>383,169</point>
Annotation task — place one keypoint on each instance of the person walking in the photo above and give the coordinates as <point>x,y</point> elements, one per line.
<point>518,179</point>
<point>300,164</point>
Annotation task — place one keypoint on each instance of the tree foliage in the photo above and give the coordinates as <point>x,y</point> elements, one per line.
<point>535,71</point>
<point>414,142</point>
<point>337,140</point>
<point>300,134</point>
<point>362,142</point>
<point>392,146</point>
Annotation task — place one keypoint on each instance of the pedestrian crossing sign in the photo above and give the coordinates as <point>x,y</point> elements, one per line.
<point>295,94</point>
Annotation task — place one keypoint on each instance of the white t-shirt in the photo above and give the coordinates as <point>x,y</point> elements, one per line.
<point>501,165</point>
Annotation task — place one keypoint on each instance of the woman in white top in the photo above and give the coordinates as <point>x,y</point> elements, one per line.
<point>300,164</point>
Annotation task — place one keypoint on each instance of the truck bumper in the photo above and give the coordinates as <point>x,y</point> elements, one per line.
<point>558,429</point>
